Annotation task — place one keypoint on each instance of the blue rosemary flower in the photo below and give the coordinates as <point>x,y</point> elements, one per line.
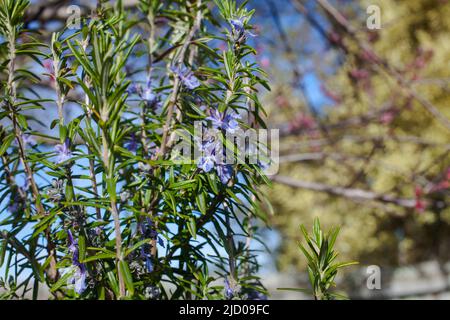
<point>224,171</point>
<point>28,140</point>
<point>148,232</point>
<point>212,150</point>
<point>133,89</point>
<point>229,291</point>
<point>237,25</point>
<point>63,151</point>
<point>224,120</point>
<point>78,279</point>
<point>145,255</point>
<point>13,207</point>
<point>238,31</point>
<point>73,248</point>
<point>209,147</point>
<point>208,143</point>
<point>132,144</point>
<point>16,200</point>
<point>146,94</point>
<point>206,163</point>
<point>152,233</point>
<point>187,77</point>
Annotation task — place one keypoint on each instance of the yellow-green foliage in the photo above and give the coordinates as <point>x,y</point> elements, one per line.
<point>372,232</point>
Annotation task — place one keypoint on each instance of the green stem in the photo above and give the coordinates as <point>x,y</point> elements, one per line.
<point>12,90</point>
<point>108,162</point>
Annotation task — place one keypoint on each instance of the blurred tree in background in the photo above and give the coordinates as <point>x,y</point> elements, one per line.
<point>370,151</point>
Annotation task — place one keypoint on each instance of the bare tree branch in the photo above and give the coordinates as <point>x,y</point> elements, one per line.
<point>351,193</point>
<point>377,60</point>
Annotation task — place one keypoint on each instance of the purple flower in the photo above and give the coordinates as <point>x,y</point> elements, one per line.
<point>145,255</point>
<point>229,291</point>
<point>191,82</point>
<point>28,140</point>
<point>149,96</point>
<point>216,119</point>
<point>78,279</point>
<point>187,77</point>
<point>206,163</point>
<point>72,245</point>
<point>73,248</point>
<point>13,207</point>
<point>209,145</point>
<point>238,30</point>
<point>225,121</point>
<point>148,232</point>
<point>146,94</point>
<point>98,230</point>
<point>149,264</point>
<point>232,288</point>
<point>213,154</point>
<point>238,25</point>
<point>63,151</point>
<point>133,89</point>
<point>230,123</point>
<point>132,145</point>
<point>16,201</point>
<point>224,171</point>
